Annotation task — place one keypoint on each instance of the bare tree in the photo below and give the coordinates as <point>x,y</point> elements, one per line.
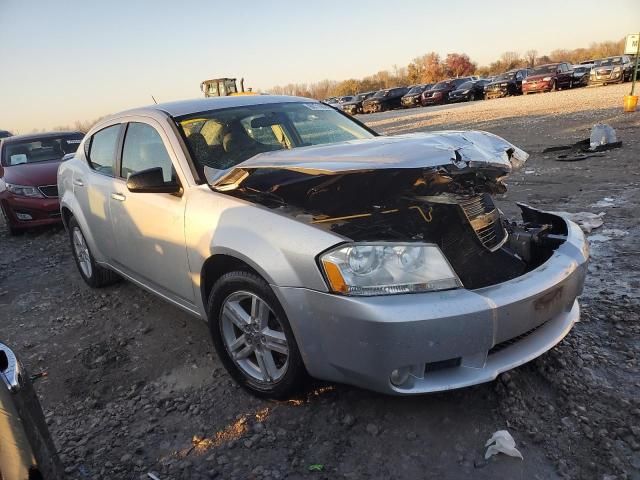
<point>530,56</point>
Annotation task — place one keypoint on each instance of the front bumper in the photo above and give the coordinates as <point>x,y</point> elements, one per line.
<point>43,211</point>
<point>611,78</point>
<point>408,102</point>
<point>496,93</point>
<point>537,86</point>
<point>371,107</point>
<point>446,340</point>
<point>436,100</point>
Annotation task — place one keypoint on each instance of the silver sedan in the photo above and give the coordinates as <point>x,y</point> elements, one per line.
<point>313,246</point>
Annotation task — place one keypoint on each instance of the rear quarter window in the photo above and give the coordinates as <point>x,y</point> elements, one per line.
<point>102,150</point>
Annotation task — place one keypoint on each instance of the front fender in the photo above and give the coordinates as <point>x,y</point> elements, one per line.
<point>282,250</point>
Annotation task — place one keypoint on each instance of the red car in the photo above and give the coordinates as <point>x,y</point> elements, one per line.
<point>547,78</point>
<point>28,177</point>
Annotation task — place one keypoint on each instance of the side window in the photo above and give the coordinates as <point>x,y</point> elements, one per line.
<point>519,75</point>
<point>102,151</point>
<point>143,149</point>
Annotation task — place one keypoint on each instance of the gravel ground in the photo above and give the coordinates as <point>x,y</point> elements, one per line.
<point>134,385</point>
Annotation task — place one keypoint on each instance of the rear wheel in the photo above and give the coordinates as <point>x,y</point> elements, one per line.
<point>252,336</point>
<point>93,274</point>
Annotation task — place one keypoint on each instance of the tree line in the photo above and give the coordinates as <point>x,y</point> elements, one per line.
<point>431,68</point>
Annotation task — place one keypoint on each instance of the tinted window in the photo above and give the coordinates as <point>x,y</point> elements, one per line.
<point>143,149</point>
<point>466,85</point>
<point>441,85</point>
<point>42,149</point>
<point>102,153</point>
<point>542,69</point>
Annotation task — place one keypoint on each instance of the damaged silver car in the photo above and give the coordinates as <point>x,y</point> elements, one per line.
<point>314,246</point>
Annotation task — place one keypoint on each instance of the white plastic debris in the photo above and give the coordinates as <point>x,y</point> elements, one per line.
<point>604,203</point>
<point>586,220</point>
<point>502,442</point>
<point>601,134</point>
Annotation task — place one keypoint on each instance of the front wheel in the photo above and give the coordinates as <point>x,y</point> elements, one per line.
<point>93,274</point>
<point>252,336</point>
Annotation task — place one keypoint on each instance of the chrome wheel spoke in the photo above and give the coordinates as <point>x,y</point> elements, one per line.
<point>275,341</point>
<point>236,315</point>
<point>259,312</point>
<point>239,348</point>
<point>266,364</point>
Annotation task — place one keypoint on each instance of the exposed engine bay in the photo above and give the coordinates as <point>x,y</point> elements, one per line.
<point>449,204</point>
<point>457,213</point>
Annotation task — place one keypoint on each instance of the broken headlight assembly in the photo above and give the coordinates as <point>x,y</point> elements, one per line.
<point>384,268</point>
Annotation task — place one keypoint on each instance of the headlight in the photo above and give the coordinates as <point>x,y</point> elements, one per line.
<point>24,191</point>
<point>387,268</point>
<point>616,69</point>
<point>465,92</point>
<point>546,79</point>
<point>504,84</point>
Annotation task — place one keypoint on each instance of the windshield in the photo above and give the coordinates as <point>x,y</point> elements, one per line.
<point>542,69</point>
<point>441,85</point>
<point>417,89</point>
<point>44,149</point>
<point>607,62</point>
<point>223,138</point>
<point>466,86</point>
<point>380,94</point>
<point>505,77</point>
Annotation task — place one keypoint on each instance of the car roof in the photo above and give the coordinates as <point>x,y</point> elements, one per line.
<point>186,107</point>
<point>30,136</point>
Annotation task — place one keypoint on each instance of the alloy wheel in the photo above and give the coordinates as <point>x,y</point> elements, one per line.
<point>82,252</point>
<point>254,337</point>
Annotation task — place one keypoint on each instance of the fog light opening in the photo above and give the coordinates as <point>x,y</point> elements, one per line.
<point>23,216</point>
<point>399,376</point>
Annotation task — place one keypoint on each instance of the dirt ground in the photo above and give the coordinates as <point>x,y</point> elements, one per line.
<point>133,385</point>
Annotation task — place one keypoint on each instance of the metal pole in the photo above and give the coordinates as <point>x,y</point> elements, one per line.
<point>635,68</point>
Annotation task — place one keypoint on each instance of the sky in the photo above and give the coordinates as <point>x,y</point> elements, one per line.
<point>68,60</point>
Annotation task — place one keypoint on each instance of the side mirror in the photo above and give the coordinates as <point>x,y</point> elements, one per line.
<point>151,181</point>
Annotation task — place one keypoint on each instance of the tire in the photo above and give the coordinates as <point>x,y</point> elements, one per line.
<point>571,83</point>
<point>553,86</point>
<point>13,231</point>
<point>245,317</point>
<point>93,274</point>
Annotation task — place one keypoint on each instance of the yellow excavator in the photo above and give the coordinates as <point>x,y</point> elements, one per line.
<point>222,87</point>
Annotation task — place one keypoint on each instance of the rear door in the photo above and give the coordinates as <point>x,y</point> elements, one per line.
<point>93,188</point>
<point>149,227</point>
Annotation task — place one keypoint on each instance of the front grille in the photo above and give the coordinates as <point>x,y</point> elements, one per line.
<point>49,191</point>
<point>512,341</point>
<point>484,218</point>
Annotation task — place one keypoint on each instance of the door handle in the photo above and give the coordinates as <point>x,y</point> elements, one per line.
<point>78,182</point>
<point>118,196</point>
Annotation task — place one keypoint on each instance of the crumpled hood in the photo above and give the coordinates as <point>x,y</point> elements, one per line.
<point>455,149</point>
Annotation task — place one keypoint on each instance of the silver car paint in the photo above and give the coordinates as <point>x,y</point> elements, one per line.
<point>214,223</point>
<point>361,340</point>
<point>355,340</point>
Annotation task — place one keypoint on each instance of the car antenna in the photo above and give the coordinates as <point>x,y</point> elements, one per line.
<point>154,100</point>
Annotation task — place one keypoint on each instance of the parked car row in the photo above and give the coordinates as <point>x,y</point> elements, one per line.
<point>28,182</point>
<point>520,81</point>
